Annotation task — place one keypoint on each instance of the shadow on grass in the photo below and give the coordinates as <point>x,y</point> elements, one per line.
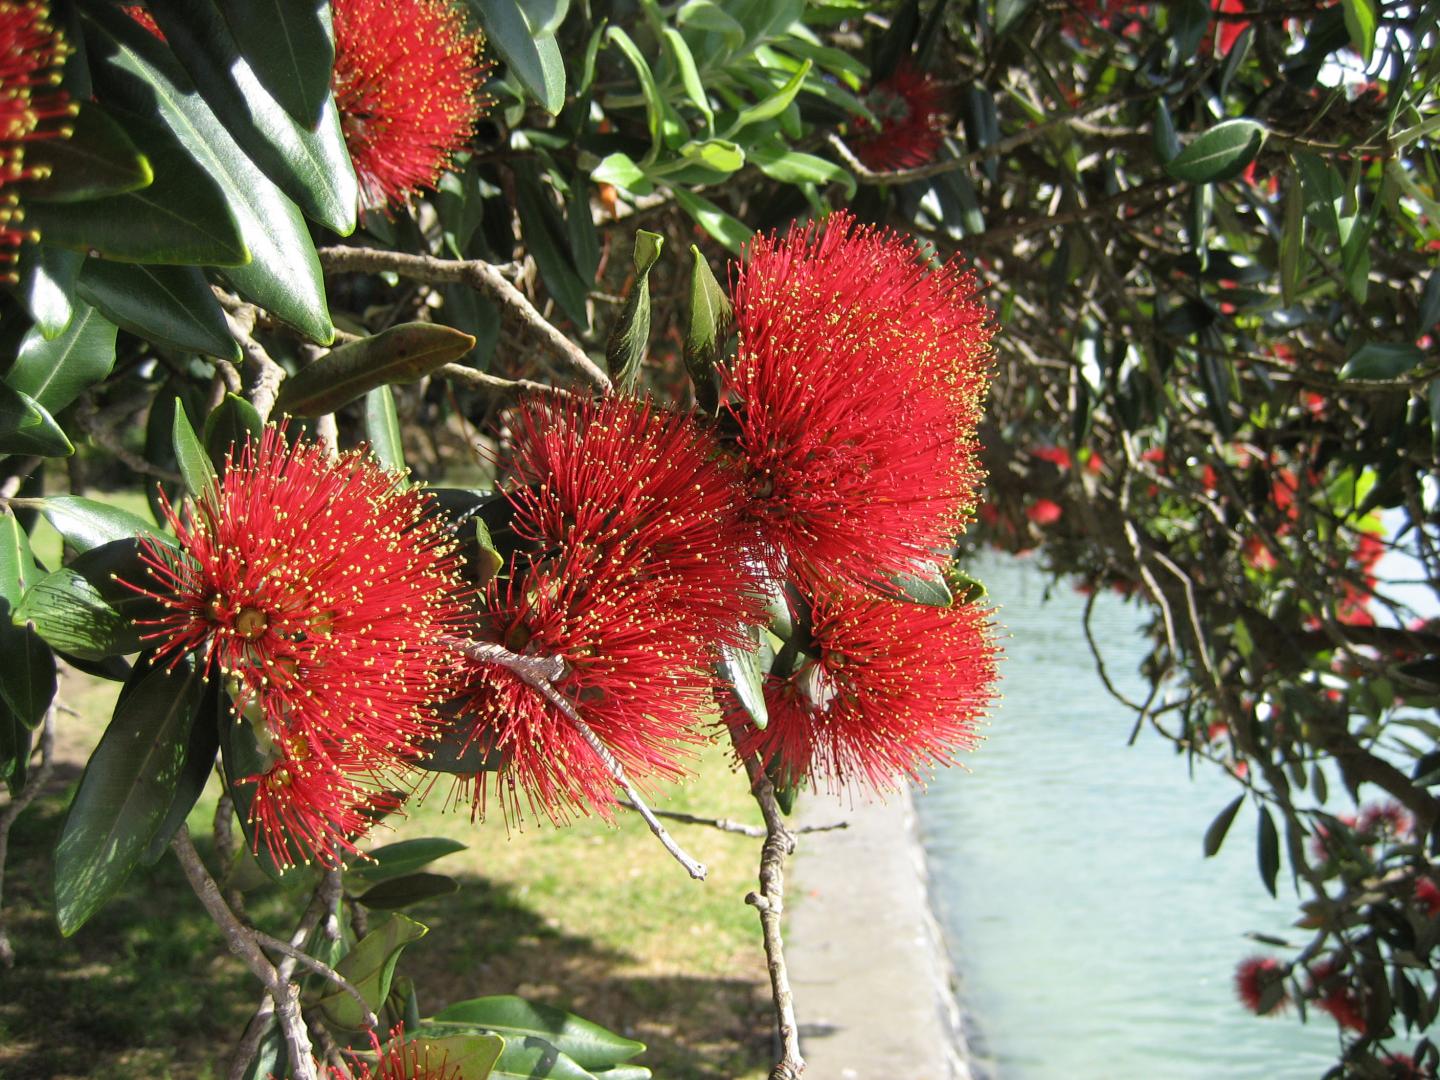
<point>146,989</point>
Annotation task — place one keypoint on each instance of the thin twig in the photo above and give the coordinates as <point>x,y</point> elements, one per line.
<point>480,380</point>
<point>263,375</point>
<point>243,942</point>
<point>542,673</point>
<point>480,276</point>
<point>34,783</point>
<point>726,825</point>
<point>322,969</point>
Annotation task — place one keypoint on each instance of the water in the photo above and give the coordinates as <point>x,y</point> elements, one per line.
<point>1093,939</point>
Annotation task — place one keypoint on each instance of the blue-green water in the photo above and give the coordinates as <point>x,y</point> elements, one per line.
<point>1093,939</point>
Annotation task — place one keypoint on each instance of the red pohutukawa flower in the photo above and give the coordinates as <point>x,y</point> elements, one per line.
<point>397,1060</point>
<point>910,107</point>
<point>854,397</point>
<point>32,107</point>
<point>639,572</point>
<point>885,691</point>
<point>323,593</point>
<point>407,83</point>
<point>1254,978</point>
<point>636,493</point>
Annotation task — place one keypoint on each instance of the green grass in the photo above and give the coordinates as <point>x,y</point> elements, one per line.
<point>591,918</point>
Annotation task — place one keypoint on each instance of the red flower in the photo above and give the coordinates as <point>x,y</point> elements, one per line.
<point>1044,512</point>
<point>1387,821</point>
<point>1254,976</point>
<point>910,108</point>
<point>31,104</point>
<point>144,18</point>
<point>885,690</point>
<point>1055,455</point>
<point>406,80</point>
<point>1427,896</point>
<point>1258,555</point>
<point>1335,996</point>
<point>636,493</point>
<point>854,399</point>
<point>397,1060</point>
<point>322,593</point>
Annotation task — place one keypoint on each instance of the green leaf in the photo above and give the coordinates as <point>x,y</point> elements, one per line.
<point>56,372</point>
<point>466,1057</point>
<point>182,217</point>
<point>713,220</point>
<point>27,675</point>
<point>549,243</point>
<point>127,788</point>
<point>370,966</point>
<point>710,315</point>
<point>169,305</point>
<point>73,616</point>
<point>403,892</point>
<point>47,285</point>
<point>1268,850</point>
<point>1167,143</point>
<point>1429,312</point>
<point>283,276</point>
<point>793,167</point>
<point>196,769</point>
<point>689,74</point>
<point>291,48</point>
<point>1292,241</point>
<point>241,757</point>
<point>26,428</point>
<point>97,159</point>
<point>404,857</point>
<point>16,742</point>
<point>927,589</point>
<point>312,167</point>
<point>196,467</point>
<point>1220,153</point>
<point>228,426</point>
<point>649,89</point>
<point>382,429</point>
<point>1381,360</point>
<point>1215,834</point>
<point>1360,24</point>
<point>400,354</point>
<point>721,155</point>
<point>511,36</point>
<point>625,350</point>
<point>580,228</point>
<point>87,524</point>
<point>740,668</point>
<point>624,1072</point>
<point>773,105</point>
<point>533,1060</point>
<point>618,169</point>
<point>588,1044</point>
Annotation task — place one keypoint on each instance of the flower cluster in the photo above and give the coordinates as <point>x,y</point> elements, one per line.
<point>321,590</point>
<point>1259,985</point>
<point>407,83</point>
<point>909,107</point>
<point>31,108</point>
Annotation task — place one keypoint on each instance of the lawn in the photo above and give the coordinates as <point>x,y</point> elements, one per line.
<point>593,918</point>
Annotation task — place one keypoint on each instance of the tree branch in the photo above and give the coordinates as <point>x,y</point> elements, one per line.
<point>480,276</point>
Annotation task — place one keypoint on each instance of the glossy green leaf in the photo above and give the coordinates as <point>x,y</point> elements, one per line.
<point>183,217</point>
<point>466,1057</point>
<point>690,78</point>
<point>549,243</point>
<point>47,285</point>
<point>531,1059</point>
<point>588,1044</point>
<point>55,372</point>
<point>290,46</point>
<point>169,305</point>
<point>283,276</point>
<point>1008,13</point>
<point>27,674</point>
<point>382,429</point>
<point>196,768</point>
<point>1360,24</point>
<point>649,88</point>
<point>928,589</point>
<point>1381,360</point>
<point>370,966</point>
<point>404,857</point>
<point>740,668</point>
<point>709,318</point>
<point>127,788</point>
<point>87,523</point>
<point>793,167</point>
<point>1268,850</point>
<point>508,32</point>
<point>402,892</point>
<point>400,354</point>
<point>580,228</point>
<point>1292,241</point>
<point>621,171</point>
<point>772,106</point>
<point>721,155</point>
<point>228,427</point>
<point>1167,143</point>
<point>16,746</point>
<point>312,167</point>
<point>724,228</point>
<point>27,428</point>
<point>1215,834</point>
<point>195,465</point>
<point>97,159</point>
<point>630,336</point>
<point>1220,153</point>
<point>72,616</point>
<point>241,756</point>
